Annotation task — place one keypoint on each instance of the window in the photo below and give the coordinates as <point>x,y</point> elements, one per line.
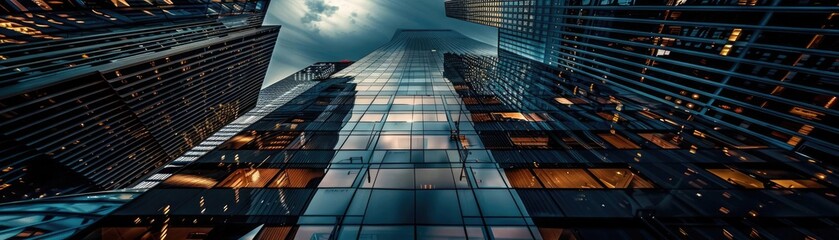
<point>382,100</point>
<point>338,177</point>
<point>488,178</point>
<point>330,202</point>
<point>372,117</point>
<point>403,100</point>
<point>189,180</point>
<point>526,141</point>
<point>356,142</point>
<point>439,178</point>
<point>297,178</point>
<point>737,178</point>
<point>510,232</point>
<point>313,232</point>
<point>497,203</point>
<point>618,141</point>
<point>394,142</point>
<point>390,207</point>
<point>566,178</point>
<point>797,183</point>
<point>522,178</point>
<point>620,178</point>
<point>363,100</point>
<point>438,207</point>
<point>400,117</point>
<point>441,232</point>
<point>249,178</point>
<point>660,140</point>
<point>386,232</point>
<point>514,116</point>
<point>391,178</point>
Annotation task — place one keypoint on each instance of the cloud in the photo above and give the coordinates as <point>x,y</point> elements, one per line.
<point>332,30</point>
<point>316,11</point>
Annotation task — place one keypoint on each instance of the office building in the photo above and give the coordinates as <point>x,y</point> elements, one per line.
<point>96,95</point>
<point>28,21</point>
<point>768,68</point>
<point>270,98</point>
<point>436,136</point>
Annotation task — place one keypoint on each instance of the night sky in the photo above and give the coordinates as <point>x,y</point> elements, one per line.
<point>332,30</point>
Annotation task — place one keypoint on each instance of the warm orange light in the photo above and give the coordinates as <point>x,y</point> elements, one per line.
<point>726,49</point>
<point>735,33</point>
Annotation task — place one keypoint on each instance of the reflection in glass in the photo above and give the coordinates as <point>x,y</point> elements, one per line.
<point>391,207</point>
<point>313,233</point>
<point>566,178</point>
<point>248,178</point>
<point>488,178</point>
<point>618,141</point>
<point>736,177</point>
<point>522,178</point>
<point>187,180</point>
<point>620,178</point>
<point>297,178</point>
<point>337,177</point>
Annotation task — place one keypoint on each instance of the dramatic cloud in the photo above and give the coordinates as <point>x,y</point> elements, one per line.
<point>333,30</point>
<point>316,11</point>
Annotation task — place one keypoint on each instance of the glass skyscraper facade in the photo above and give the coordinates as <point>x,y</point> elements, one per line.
<point>768,67</point>
<point>437,136</point>
<point>270,98</point>
<point>29,21</point>
<point>103,93</point>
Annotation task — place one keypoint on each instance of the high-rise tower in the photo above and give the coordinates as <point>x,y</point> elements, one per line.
<point>96,94</point>
<point>767,67</point>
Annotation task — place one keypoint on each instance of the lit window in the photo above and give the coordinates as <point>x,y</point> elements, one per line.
<point>566,178</point>
<point>735,33</point>
<point>660,140</point>
<point>620,178</point>
<point>737,178</point>
<point>297,178</point>
<point>510,116</point>
<point>530,141</point>
<point>569,101</point>
<point>245,178</point>
<point>188,180</point>
<point>797,183</point>
<point>618,141</point>
<point>725,49</point>
<point>522,178</point>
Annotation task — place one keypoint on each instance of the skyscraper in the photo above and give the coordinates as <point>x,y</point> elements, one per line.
<point>101,93</point>
<point>61,217</point>
<point>768,68</point>
<point>270,98</point>
<point>435,136</point>
<point>30,21</point>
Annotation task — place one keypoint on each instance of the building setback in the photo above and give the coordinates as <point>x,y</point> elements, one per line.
<point>767,67</point>
<point>436,136</point>
<point>97,94</point>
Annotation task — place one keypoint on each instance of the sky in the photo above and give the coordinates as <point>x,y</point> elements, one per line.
<point>333,30</point>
